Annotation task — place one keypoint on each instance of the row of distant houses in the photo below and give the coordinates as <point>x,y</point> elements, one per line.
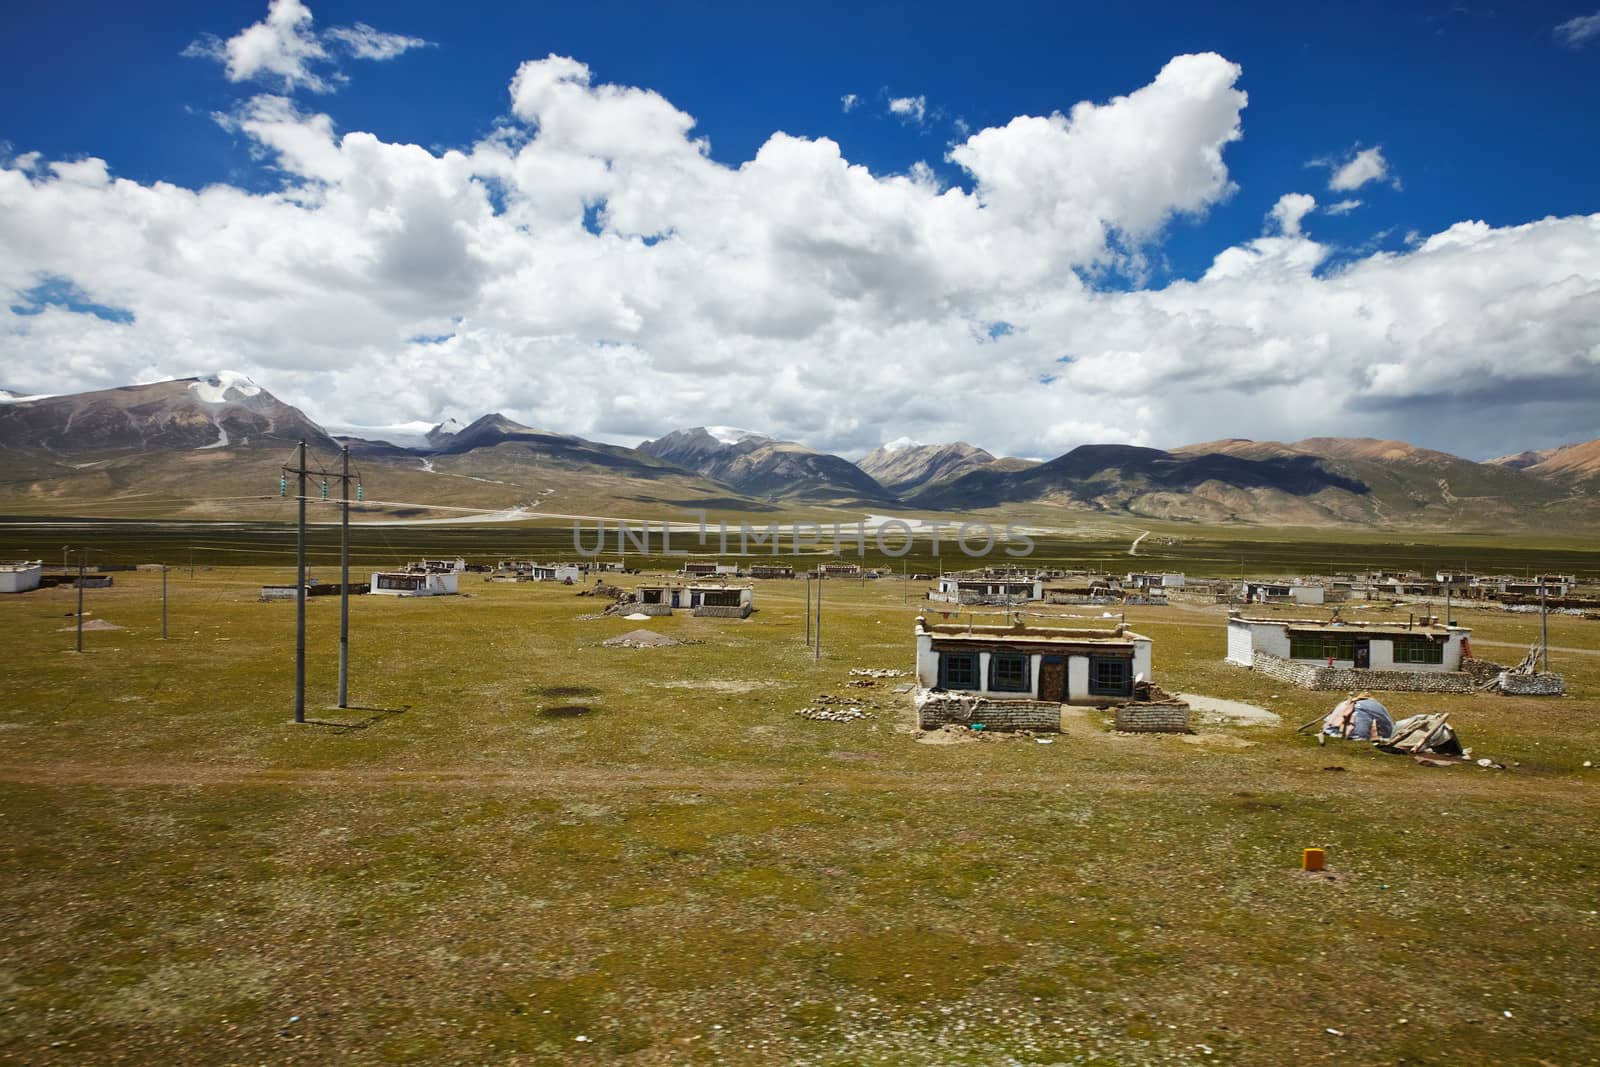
<point>1337,588</point>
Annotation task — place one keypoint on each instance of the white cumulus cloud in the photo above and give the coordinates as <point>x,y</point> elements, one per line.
<point>910,108</point>
<point>1290,209</point>
<point>286,49</point>
<point>589,267</point>
<point>1366,165</point>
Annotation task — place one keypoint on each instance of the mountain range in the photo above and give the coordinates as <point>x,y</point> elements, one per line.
<point>204,446</point>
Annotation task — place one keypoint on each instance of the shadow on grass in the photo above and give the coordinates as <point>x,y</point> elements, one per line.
<point>374,716</point>
<point>566,691</point>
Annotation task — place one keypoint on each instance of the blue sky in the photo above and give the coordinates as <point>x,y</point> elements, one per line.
<point>1477,114</point>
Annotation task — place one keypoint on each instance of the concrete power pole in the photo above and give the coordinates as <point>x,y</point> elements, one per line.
<point>300,597</point>
<point>344,587</point>
<point>818,654</point>
<point>80,600</point>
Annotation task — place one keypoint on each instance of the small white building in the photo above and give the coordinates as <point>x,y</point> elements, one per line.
<point>708,568</point>
<point>1153,580</point>
<point>439,566</point>
<point>1285,593</point>
<point>556,572</point>
<point>721,599</point>
<point>1425,646</point>
<point>1077,666</point>
<point>414,583</point>
<point>986,588</point>
<point>19,576</point>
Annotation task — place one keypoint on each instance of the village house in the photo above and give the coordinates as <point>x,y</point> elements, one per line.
<point>1149,580</point>
<point>1416,654</point>
<point>1545,584</point>
<point>721,600</point>
<point>522,570</point>
<point>414,583</point>
<point>1086,589</point>
<point>704,598</point>
<point>772,570</point>
<point>1295,592</point>
<point>555,572</point>
<point>987,587</point>
<point>706,568</point>
<point>1043,663</point>
<point>839,570</point>
<point>19,576</point>
<point>439,566</point>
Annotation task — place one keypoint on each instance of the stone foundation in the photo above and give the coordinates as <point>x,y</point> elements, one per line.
<point>1170,718</point>
<point>1311,676</point>
<point>1532,685</point>
<point>722,611</point>
<point>936,709</point>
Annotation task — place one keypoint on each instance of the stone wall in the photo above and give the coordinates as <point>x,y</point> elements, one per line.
<point>1532,685</point>
<point>1311,676</point>
<point>722,611</point>
<point>950,709</point>
<point>1166,718</point>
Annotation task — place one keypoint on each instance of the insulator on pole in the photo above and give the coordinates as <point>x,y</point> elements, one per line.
<point>359,494</point>
<point>324,488</point>
<point>283,485</point>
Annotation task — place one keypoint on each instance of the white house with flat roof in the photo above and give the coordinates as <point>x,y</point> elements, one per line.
<point>1419,646</point>
<point>1045,663</point>
<point>19,575</point>
<point>414,583</point>
<point>983,587</point>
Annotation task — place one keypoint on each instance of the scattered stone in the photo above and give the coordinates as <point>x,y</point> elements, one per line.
<point>876,672</point>
<point>849,713</point>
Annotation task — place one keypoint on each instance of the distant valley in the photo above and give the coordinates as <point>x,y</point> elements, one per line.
<point>212,447</point>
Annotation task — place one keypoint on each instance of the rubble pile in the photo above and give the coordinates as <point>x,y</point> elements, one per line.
<point>641,639</point>
<point>876,672</point>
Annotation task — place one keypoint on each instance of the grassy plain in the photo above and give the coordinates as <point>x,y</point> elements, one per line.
<point>524,847</point>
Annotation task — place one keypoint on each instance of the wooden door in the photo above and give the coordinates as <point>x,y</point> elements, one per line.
<point>1053,681</point>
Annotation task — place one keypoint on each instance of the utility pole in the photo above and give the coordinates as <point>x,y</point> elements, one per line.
<point>191,546</point>
<point>344,586</point>
<point>300,597</point>
<point>818,646</point>
<point>80,600</point>
<point>808,610</point>
<point>163,602</point>
<point>1544,629</point>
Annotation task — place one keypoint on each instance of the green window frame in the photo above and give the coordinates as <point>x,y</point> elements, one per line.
<point>1110,676</point>
<point>1008,672</point>
<point>958,670</point>
<point>1322,646</point>
<point>1418,650</point>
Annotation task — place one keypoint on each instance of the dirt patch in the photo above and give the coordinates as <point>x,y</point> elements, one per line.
<point>720,685</point>
<point>1216,740</point>
<point>1228,712</point>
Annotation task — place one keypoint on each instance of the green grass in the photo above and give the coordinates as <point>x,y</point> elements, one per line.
<point>688,872</point>
<point>1198,551</point>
